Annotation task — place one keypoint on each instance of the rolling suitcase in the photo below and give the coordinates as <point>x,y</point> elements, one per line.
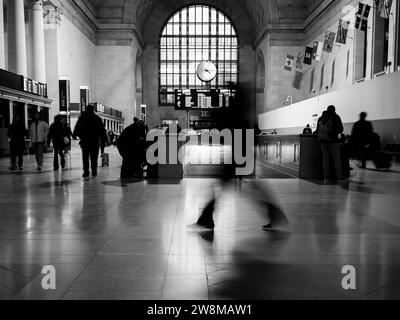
<point>382,160</point>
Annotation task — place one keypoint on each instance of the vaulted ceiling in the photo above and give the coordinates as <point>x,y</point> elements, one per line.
<point>258,13</point>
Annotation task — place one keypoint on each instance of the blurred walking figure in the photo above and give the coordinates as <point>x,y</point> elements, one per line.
<point>259,193</point>
<point>16,134</point>
<point>362,137</point>
<point>57,136</point>
<point>329,128</point>
<point>38,133</point>
<point>90,130</point>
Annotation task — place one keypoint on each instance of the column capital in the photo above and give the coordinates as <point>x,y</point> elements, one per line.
<point>51,13</point>
<point>35,5</point>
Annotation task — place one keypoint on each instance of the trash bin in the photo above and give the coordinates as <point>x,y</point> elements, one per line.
<point>310,158</point>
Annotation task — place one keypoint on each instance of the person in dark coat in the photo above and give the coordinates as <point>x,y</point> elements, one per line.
<point>17,133</point>
<point>67,135</point>
<point>57,137</point>
<point>307,130</point>
<point>90,130</point>
<point>329,128</point>
<point>362,138</point>
<point>131,146</point>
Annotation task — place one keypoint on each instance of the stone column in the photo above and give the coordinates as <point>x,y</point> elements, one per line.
<point>26,115</point>
<point>16,37</point>
<point>2,46</point>
<point>11,108</point>
<point>37,40</point>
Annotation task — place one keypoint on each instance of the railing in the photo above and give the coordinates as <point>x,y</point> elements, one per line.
<point>380,74</point>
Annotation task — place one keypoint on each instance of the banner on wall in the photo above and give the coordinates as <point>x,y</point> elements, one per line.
<point>299,61</point>
<point>64,95</point>
<point>362,17</point>
<point>308,56</point>
<point>343,30</point>
<point>289,62</point>
<point>329,40</point>
<point>84,101</point>
<point>298,79</point>
<point>317,50</point>
<point>384,7</point>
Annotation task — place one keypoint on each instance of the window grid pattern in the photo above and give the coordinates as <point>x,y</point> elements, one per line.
<point>194,34</point>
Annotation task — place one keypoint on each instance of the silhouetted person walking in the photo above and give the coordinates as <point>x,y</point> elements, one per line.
<point>329,128</point>
<point>362,138</point>
<point>57,136</point>
<point>90,130</point>
<point>17,133</point>
<point>38,133</point>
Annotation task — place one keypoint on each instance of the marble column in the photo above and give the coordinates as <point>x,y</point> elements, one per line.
<point>37,40</point>
<point>17,62</point>
<point>2,46</point>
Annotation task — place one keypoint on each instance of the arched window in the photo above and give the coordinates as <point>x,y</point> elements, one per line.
<point>194,34</point>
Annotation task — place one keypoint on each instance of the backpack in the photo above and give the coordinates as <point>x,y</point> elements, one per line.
<point>325,130</point>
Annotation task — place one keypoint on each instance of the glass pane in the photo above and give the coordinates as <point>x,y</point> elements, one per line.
<point>199,29</point>
<point>192,14</point>
<point>206,13</point>
<point>199,13</point>
<point>206,29</point>
<point>163,54</point>
<point>170,54</point>
<point>169,29</point>
<point>192,29</point>
<point>213,55</point>
<point>184,15</point>
<point>221,29</point>
<point>234,55</point>
<point>213,29</point>
<point>213,15</point>
<point>169,79</point>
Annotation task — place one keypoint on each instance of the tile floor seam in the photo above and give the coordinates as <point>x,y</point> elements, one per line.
<point>106,240</point>
<point>170,246</point>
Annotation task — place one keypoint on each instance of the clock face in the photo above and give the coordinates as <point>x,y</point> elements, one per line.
<point>206,71</point>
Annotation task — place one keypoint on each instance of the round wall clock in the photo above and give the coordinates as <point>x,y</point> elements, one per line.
<point>206,71</point>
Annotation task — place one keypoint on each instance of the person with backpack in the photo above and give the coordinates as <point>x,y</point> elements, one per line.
<point>58,138</point>
<point>90,130</point>
<point>329,128</point>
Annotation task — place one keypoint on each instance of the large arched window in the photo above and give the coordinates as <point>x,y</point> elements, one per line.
<point>194,34</point>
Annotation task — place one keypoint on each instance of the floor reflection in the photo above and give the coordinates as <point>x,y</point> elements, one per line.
<point>113,239</point>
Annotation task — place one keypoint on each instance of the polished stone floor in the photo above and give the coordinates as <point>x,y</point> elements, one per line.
<point>113,240</point>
